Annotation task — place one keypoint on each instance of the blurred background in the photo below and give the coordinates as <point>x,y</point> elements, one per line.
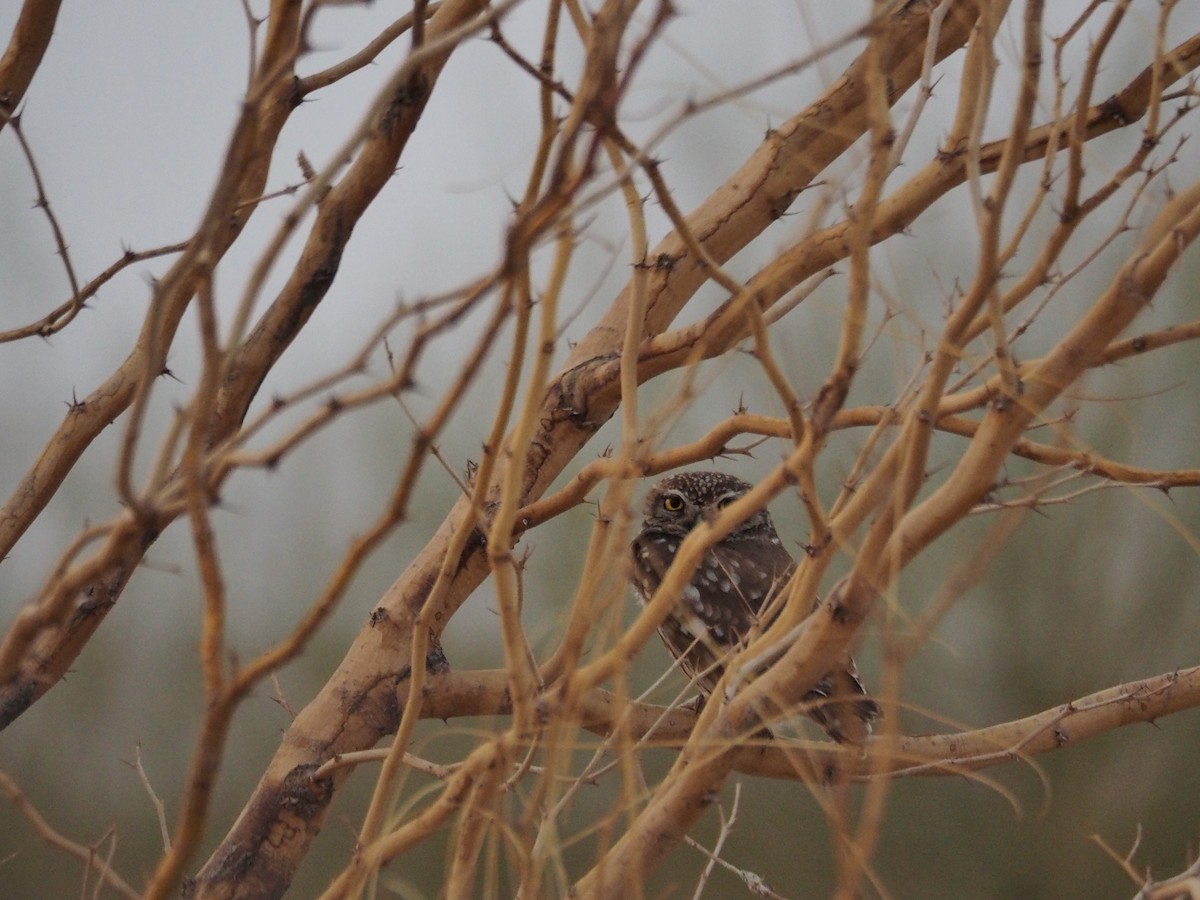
<point>128,118</point>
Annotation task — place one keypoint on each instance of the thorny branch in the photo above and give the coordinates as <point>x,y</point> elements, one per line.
<point>968,383</point>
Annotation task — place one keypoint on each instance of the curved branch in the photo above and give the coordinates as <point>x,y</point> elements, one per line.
<point>26,47</point>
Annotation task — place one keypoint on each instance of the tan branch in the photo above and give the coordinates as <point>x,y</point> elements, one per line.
<point>47,832</point>
<point>25,676</point>
<point>26,47</point>
<point>484,692</point>
<point>62,315</point>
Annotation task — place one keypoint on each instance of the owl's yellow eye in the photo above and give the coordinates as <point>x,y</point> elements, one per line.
<point>726,500</point>
<point>672,503</point>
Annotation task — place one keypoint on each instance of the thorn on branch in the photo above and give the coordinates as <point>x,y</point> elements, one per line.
<point>296,97</point>
<point>837,609</point>
<point>306,167</point>
<point>781,204</point>
<point>280,698</point>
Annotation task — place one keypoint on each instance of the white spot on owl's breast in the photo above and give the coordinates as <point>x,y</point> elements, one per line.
<point>694,627</point>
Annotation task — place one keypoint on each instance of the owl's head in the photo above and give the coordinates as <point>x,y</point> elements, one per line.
<point>678,503</point>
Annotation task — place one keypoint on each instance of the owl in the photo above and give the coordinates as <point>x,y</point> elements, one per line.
<point>729,591</point>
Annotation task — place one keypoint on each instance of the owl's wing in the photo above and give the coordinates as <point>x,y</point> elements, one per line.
<point>723,604</point>
<point>839,703</point>
<point>742,578</point>
<point>719,607</point>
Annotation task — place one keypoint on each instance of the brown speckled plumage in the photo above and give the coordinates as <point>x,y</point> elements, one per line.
<point>733,584</point>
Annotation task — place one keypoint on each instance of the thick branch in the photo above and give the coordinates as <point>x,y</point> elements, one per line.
<point>26,47</point>
<point>356,706</point>
<point>888,546</point>
<point>25,675</point>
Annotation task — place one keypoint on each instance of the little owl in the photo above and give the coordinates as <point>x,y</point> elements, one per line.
<point>737,579</point>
